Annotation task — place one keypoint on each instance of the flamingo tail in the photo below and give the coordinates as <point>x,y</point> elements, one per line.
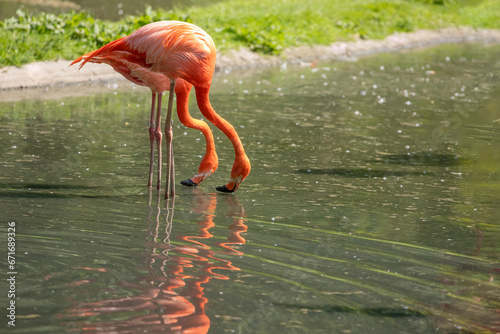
<point>106,49</point>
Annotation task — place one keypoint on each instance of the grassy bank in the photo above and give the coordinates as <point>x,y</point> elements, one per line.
<point>265,26</point>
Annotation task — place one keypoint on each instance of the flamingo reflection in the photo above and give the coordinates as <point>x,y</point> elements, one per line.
<point>171,296</point>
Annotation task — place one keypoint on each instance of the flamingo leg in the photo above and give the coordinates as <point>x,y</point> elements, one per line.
<point>152,136</point>
<point>159,139</point>
<point>169,186</point>
<point>172,165</point>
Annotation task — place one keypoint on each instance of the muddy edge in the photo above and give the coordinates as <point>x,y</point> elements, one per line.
<point>19,81</point>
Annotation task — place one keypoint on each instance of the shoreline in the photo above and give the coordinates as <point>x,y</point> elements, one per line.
<point>57,73</point>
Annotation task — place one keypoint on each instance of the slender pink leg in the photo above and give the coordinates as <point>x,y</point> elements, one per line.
<point>172,165</point>
<point>158,139</point>
<point>152,136</point>
<point>170,187</point>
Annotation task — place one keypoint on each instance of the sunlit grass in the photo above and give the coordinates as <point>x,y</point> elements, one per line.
<point>264,26</point>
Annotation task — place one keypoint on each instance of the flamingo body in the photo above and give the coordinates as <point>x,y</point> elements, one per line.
<point>173,55</point>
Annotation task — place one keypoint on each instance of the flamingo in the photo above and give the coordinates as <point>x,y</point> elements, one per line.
<point>174,56</point>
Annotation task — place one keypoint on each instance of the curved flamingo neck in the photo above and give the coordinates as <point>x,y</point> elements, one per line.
<point>186,119</point>
<point>208,111</point>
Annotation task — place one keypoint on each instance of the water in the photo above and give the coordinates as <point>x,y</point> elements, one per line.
<point>110,9</point>
<point>372,205</point>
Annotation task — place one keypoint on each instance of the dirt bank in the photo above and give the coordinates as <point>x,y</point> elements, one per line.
<point>57,73</point>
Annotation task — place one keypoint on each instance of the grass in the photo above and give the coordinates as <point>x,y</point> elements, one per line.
<point>264,26</point>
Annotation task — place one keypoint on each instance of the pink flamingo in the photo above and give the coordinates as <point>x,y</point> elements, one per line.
<point>174,56</point>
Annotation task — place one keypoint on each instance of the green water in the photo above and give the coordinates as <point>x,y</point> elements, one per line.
<point>372,205</point>
<point>109,9</point>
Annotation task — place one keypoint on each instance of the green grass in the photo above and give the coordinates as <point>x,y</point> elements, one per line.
<point>265,26</point>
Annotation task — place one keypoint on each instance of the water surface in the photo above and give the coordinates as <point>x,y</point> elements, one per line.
<point>109,9</point>
<point>372,205</point>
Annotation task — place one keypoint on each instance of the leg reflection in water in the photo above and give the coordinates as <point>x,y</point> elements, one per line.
<point>171,296</point>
